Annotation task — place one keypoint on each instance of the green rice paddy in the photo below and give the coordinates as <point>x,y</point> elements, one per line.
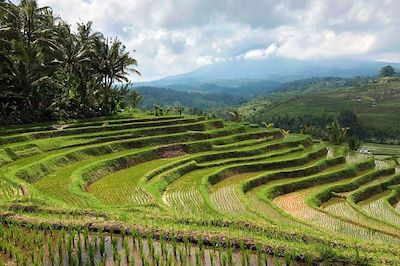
<point>179,190</point>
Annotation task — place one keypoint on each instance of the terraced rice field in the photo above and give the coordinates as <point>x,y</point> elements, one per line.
<point>383,151</point>
<point>178,190</point>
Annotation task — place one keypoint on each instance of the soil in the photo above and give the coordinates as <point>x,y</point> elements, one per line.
<point>172,151</point>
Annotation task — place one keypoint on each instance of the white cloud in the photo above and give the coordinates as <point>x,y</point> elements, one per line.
<point>261,53</point>
<point>311,44</point>
<point>175,36</point>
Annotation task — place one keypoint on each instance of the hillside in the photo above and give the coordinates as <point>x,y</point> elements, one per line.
<point>375,102</point>
<point>167,97</point>
<point>172,189</point>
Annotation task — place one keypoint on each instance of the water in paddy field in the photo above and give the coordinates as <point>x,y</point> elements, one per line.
<point>379,164</point>
<point>45,248</point>
<point>355,157</point>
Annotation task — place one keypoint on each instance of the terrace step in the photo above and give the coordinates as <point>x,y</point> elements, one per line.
<point>296,204</point>
<point>87,132</point>
<point>97,122</point>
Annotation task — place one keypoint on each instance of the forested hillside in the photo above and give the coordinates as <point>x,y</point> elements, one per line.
<point>309,105</point>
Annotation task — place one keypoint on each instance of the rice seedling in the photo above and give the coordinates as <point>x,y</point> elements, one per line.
<point>127,249</point>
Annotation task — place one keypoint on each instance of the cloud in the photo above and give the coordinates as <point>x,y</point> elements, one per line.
<point>261,53</point>
<point>175,36</point>
<point>312,44</point>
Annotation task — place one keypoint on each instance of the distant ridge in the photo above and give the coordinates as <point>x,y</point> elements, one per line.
<point>239,72</point>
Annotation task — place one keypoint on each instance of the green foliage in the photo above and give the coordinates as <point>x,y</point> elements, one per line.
<point>349,119</point>
<point>48,72</point>
<point>135,98</point>
<point>236,116</point>
<point>309,105</point>
<point>179,108</point>
<point>335,133</point>
<point>387,71</point>
<point>354,143</point>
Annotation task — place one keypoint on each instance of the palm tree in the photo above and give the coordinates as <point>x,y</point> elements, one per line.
<point>69,54</point>
<point>22,67</point>
<point>335,133</point>
<point>47,71</point>
<point>85,72</point>
<point>113,64</point>
<point>135,98</point>
<point>354,143</point>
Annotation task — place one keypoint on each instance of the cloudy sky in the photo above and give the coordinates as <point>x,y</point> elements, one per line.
<point>176,36</point>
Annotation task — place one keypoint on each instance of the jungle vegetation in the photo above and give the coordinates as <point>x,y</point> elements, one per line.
<point>48,71</point>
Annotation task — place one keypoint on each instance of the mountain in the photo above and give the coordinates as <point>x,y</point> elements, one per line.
<point>240,72</point>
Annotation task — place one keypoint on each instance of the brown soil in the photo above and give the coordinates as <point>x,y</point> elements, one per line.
<point>172,151</point>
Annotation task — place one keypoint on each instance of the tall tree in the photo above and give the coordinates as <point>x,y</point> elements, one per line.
<point>22,68</point>
<point>48,72</point>
<point>387,71</point>
<point>349,119</point>
<point>112,62</point>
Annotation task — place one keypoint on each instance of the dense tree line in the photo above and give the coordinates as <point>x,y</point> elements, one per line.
<point>316,125</point>
<point>47,71</point>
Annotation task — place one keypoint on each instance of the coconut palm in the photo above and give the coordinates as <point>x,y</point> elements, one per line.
<point>22,69</point>
<point>135,98</point>
<point>47,71</point>
<point>335,133</point>
<point>113,64</point>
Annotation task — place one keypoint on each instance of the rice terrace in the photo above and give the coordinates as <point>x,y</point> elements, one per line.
<point>233,190</point>
<point>91,175</point>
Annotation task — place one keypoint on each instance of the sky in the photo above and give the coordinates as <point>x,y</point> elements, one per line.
<point>172,37</point>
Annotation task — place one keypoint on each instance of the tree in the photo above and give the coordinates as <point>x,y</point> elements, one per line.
<point>236,116</point>
<point>113,64</point>
<point>49,72</point>
<point>179,108</point>
<point>387,71</point>
<point>135,98</point>
<point>157,109</point>
<point>335,133</point>
<point>23,68</point>
<point>354,143</point>
<point>349,119</point>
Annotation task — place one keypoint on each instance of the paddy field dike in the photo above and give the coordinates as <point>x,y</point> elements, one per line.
<point>186,190</point>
